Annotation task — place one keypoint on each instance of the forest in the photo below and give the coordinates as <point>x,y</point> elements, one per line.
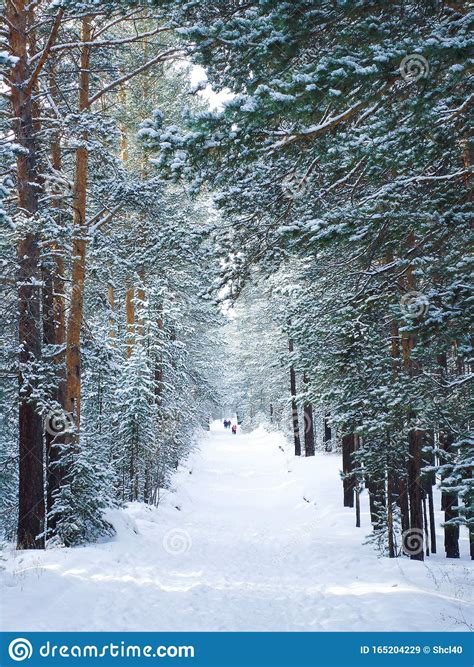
<point>254,208</point>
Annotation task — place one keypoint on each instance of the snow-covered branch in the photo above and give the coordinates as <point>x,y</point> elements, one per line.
<point>159,58</point>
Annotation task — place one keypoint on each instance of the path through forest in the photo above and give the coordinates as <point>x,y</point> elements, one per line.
<point>248,539</point>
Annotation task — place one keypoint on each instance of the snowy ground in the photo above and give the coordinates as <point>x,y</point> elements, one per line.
<point>249,539</point>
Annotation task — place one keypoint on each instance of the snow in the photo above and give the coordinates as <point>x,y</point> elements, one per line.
<point>215,99</point>
<point>249,538</point>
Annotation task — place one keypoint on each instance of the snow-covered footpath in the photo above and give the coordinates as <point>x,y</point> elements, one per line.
<point>249,539</point>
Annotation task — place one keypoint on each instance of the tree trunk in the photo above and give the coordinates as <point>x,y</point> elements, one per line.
<point>396,489</point>
<point>309,448</point>
<point>30,438</point>
<point>425,524</point>
<point>357,490</point>
<point>415,533</point>
<point>357,507</point>
<point>391,486</point>
<point>403,503</point>
<point>376,491</point>
<point>428,480</point>
<point>432,519</point>
<point>147,495</point>
<point>413,538</point>
<point>449,502</point>
<point>79,244</point>
<point>294,407</point>
<point>348,447</point>
<point>54,333</point>
<point>327,433</point>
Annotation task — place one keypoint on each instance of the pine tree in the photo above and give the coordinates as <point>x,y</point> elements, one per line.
<point>345,148</point>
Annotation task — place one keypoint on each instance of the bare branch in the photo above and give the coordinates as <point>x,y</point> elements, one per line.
<point>46,51</point>
<point>130,75</point>
<point>106,42</point>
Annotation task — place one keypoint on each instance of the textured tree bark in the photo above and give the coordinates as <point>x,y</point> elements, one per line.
<point>294,407</point>
<point>30,437</point>
<point>79,244</point>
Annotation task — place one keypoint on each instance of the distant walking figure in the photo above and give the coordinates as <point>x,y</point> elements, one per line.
<point>234,429</point>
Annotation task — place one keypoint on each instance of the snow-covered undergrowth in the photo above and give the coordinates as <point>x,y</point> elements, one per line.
<point>250,538</point>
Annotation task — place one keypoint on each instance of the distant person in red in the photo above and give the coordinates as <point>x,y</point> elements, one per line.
<point>234,429</point>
